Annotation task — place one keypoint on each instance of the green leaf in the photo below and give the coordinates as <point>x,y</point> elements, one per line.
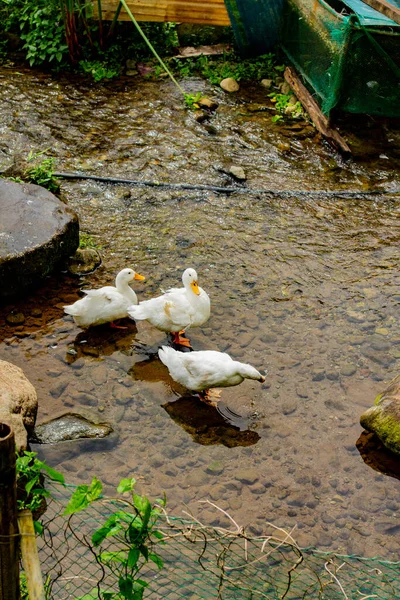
<point>53,474</point>
<point>133,557</point>
<point>145,551</point>
<point>117,557</point>
<point>38,527</point>
<point>83,496</point>
<point>126,587</point>
<point>126,485</point>
<point>156,559</point>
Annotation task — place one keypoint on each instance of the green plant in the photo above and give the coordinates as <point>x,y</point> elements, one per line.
<point>86,241</point>
<point>42,173</point>
<point>41,28</point>
<point>132,530</point>
<point>31,492</point>
<point>286,104</point>
<point>191,100</point>
<point>99,70</point>
<point>228,65</point>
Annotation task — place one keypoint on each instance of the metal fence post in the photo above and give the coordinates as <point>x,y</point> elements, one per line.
<point>9,539</point>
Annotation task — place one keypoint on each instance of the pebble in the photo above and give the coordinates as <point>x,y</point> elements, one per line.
<point>289,406</point>
<point>247,476</point>
<point>15,318</point>
<point>318,375</point>
<point>237,172</point>
<point>215,468</point>
<point>229,85</point>
<point>348,369</point>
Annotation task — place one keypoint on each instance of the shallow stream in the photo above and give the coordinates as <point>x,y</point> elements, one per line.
<point>304,287</point>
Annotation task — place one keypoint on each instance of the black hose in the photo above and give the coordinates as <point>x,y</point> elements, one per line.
<point>227,190</point>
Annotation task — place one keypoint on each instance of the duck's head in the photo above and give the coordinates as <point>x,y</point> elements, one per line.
<point>127,275</point>
<point>189,280</point>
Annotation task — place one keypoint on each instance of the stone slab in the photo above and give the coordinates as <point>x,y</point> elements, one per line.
<point>38,232</point>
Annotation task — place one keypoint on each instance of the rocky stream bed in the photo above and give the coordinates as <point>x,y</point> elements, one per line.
<point>303,286</point>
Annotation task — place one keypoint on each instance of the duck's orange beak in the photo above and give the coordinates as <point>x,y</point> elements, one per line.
<point>195,287</point>
<point>139,277</point>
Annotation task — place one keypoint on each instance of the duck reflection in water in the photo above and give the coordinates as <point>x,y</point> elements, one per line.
<point>209,425</point>
<point>205,423</point>
<point>101,340</point>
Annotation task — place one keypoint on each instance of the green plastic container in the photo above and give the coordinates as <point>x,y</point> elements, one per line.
<point>347,53</point>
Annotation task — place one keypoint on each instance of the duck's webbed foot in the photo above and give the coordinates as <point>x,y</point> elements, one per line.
<point>180,339</point>
<point>210,397</point>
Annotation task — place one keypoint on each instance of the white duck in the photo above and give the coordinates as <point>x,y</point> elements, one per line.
<point>177,309</point>
<point>199,371</point>
<point>106,304</point>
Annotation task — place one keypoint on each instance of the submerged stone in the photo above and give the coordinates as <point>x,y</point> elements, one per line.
<point>70,426</point>
<point>383,418</point>
<point>38,233</point>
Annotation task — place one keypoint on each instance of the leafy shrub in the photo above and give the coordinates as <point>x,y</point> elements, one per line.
<point>133,531</point>
<point>40,25</point>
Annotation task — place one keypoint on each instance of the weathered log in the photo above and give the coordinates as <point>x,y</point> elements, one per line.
<point>318,118</point>
<point>9,538</point>
<point>30,556</point>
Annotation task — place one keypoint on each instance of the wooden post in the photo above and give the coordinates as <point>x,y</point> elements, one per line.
<point>30,556</point>
<point>9,538</point>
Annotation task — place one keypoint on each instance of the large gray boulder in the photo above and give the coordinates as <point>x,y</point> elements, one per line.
<point>18,403</point>
<point>38,232</point>
<point>383,418</point>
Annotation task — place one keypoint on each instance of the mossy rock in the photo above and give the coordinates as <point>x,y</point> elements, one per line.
<point>383,418</point>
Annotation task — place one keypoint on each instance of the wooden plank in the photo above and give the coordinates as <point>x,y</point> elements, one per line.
<point>310,105</point>
<point>208,12</point>
<point>387,9</point>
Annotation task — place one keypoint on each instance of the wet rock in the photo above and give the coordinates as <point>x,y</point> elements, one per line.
<point>237,172</point>
<point>215,468</point>
<point>18,403</point>
<point>200,116</point>
<point>84,261</point>
<point>380,358</point>
<point>41,232</point>
<point>383,418</point>
<point>69,427</point>
<point>205,102</point>
<point>15,318</point>
<point>122,394</point>
<point>348,369</point>
<point>197,478</point>
<point>266,83</point>
<point>332,375</point>
<point>59,389</point>
<point>355,317</point>
<point>229,85</point>
<point>285,88</point>
<point>247,476</point>
<point>284,147</point>
<point>318,375</point>
<point>289,406</point>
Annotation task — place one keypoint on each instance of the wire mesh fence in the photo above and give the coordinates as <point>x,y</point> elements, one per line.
<point>203,563</point>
